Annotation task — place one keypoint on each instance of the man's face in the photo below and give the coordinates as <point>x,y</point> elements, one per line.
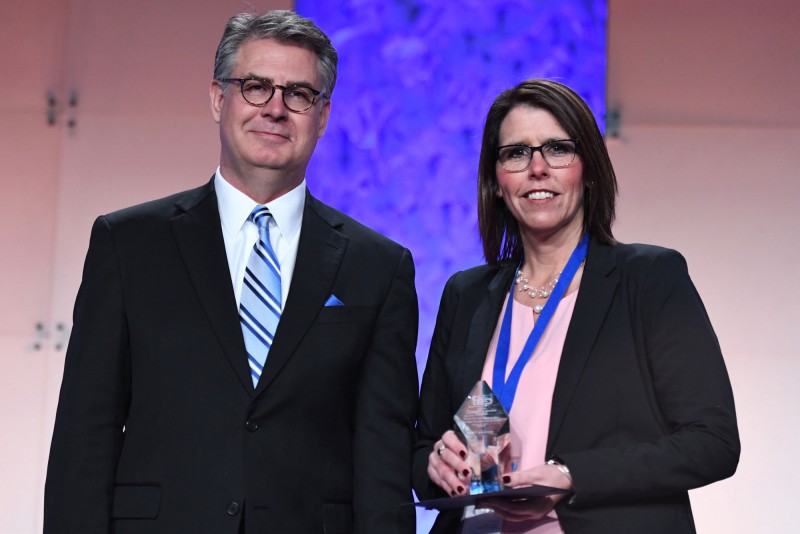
<point>271,137</point>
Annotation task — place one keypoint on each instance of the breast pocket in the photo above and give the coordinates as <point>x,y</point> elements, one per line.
<point>346,314</point>
<point>338,339</point>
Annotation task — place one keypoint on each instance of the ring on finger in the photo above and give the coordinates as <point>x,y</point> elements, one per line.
<point>440,450</point>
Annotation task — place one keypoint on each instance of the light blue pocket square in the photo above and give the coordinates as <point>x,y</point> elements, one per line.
<point>333,301</point>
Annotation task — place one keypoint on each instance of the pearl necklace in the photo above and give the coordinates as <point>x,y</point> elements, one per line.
<point>542,293</point>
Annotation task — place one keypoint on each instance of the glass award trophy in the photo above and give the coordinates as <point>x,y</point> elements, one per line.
<point>482,424</point>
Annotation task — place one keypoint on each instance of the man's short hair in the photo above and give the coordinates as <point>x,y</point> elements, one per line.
<point>286,27</point>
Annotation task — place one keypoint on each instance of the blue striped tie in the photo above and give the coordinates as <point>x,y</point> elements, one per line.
<point>260,304</point>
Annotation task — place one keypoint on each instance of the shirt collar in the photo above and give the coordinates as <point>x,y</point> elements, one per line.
<point>235,208</point>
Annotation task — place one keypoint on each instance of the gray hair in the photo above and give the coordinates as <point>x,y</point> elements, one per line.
<point>286,27</point>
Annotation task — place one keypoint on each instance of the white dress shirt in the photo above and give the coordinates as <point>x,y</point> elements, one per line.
<point>240,234</point>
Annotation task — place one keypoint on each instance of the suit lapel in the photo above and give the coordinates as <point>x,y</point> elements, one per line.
<point>319,255</point>
<point>198,233</point>
<point>481,329</point>
<point>597,288</point>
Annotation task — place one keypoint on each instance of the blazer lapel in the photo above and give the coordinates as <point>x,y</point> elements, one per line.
<point>198,233</point>
<point>481,329</point>
<point>319,255</point>
<point>597,288</point>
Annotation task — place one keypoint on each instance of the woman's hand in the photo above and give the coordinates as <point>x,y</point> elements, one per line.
<point>447,466</point>
<point>550,475</point>
<point>533,508</point>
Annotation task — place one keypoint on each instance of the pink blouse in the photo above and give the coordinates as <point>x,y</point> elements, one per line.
<point>530,414</point>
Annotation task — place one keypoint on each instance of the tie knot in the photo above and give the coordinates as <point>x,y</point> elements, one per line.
<point>260,216</point>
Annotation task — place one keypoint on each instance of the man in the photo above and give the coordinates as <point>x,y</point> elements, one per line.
<point>203,392</point>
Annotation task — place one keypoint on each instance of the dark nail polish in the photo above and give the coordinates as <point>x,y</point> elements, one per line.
<point>465,472</point>
<point>463,454</point>
<point>460,490</point>
<point>506,479</point>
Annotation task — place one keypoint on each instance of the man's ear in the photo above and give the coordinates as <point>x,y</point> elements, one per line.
<point>325,112</point>
<point>217,95</point>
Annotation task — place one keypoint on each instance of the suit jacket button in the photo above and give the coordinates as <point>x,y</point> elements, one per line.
<point>252,426</point>
<point>233,508</point>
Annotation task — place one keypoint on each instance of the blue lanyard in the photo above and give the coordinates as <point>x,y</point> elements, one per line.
<point>506,390</point>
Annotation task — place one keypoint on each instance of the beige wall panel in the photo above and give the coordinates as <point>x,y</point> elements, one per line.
<point>707,163</point>
<point>726,62</point>
<point>29,185</point>
<point>32,42</point>
<point>24,439</point>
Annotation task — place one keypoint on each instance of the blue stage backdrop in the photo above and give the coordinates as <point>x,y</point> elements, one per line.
<point>416,78</point>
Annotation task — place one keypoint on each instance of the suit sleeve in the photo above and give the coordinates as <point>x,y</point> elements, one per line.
<point>434,418</point>
<point>93,401</point>
<point>681,359</point>
<point>386,407</point>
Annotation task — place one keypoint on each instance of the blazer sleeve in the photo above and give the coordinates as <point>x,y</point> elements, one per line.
<point>683,366</point>
<point>434,417</point>
<point>386,407</point>
<point>93,401</point>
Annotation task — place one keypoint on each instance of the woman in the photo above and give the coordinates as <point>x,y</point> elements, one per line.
<point>622,396</point>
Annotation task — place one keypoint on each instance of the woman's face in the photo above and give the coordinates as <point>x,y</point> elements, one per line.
<point>545,202</point>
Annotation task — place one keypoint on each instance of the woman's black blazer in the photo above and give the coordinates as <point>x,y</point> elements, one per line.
<point>642,408</point>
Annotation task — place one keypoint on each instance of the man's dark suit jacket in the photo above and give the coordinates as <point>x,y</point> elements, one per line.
<point>642,408</point>
<point>322,445</point>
